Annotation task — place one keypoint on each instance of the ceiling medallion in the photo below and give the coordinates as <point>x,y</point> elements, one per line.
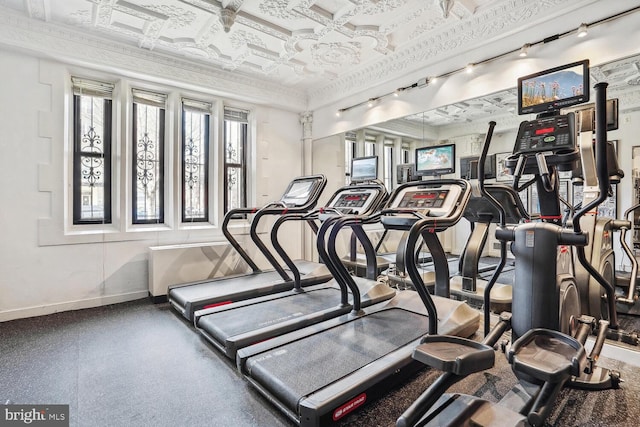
<point>336,54</point>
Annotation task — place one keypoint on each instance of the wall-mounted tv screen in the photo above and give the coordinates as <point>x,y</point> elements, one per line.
<point>469,167</point>
<point>550,90</point>
<point>364,169</point>
<point>436,160</point>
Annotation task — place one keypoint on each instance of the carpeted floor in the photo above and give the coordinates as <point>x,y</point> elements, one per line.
<point>139,364</point>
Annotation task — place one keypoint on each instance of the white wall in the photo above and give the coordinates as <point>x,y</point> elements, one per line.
<point>44,267</point>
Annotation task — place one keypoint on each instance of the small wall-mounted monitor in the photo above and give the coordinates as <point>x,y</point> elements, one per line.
<point>550,90</point>
<point>406,172</point>
<point>436,160</point>
<point>364,169</point>
<point>469,167</point>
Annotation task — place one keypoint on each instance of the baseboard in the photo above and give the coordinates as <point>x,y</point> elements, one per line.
<point>22,313</point>
<point>158,299</point>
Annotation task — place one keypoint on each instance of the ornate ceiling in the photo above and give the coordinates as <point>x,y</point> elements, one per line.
<point>300,42</point>
<point>311,51</point>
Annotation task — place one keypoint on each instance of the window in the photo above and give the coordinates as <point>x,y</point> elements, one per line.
<point>387,172</point>
<point>92,112</point>
<point>195,160</point>
<point>369,148</point>
<point>405,155</point>
<point>235,159</point>
<point>148,157</point>
<point>349,154</point>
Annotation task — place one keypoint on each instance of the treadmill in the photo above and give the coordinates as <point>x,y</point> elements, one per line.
<point>319,374</point>
<point>243,323</point>
<point>301,196</point>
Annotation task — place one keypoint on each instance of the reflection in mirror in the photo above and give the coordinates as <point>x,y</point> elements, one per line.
<point>465,124</point>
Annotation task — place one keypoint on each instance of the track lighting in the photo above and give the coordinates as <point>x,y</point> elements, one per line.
<point>582,30</point>
<point>523,51</point>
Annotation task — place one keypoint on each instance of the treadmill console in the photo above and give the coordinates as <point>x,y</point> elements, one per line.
<point>546,134</point>
<point>436,201</point>
<point>353,201</point>
<point>423,199</point>
<point>299,192</point>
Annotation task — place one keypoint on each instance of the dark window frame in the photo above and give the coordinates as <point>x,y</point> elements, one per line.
<point>206,140</point>
<point>242,165</point>
<point>134,193</point>
<point>78,154</point>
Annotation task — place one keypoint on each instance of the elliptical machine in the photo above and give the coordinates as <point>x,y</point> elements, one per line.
<point>599,251</point>
<point>547,349</point>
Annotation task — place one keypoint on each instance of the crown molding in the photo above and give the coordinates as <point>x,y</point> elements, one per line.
<point>65,44</point>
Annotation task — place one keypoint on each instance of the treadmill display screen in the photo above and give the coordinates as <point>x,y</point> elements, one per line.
<point>424,199</point>
<point>299,192</point>
<point>352,200</point>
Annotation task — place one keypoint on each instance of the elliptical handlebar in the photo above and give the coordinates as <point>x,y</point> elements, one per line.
<point>603,186</point>
<point>503,214</point>
<point>626,225</point>
<point>600,152</point>
<point>545,177</point>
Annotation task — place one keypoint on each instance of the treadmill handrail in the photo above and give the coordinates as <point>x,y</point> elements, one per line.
<point>355,222</point>
<point>424,228</point>
<point>322,253</point>
<point>232,214</point>
<point>310,217</point>
<point>280,208</point>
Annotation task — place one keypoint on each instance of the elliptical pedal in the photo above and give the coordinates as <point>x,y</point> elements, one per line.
<point>548,356</point>
<point>459,356</point>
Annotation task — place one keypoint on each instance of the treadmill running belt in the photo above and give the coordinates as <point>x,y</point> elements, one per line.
<point>302,367</point>
<point>249,318</point>
<point>226,286</point>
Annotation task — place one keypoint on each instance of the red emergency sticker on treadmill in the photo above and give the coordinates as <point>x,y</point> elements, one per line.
<point>350,406</point>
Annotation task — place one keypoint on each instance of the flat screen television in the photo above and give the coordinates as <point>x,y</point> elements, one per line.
<point>364,168</point>
<point>469,167</point>
<point>436,160</point>
<point>550,90</point>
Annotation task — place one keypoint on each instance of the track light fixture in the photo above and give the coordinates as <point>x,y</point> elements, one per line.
<point>523,51</point>
<point>582,30</point>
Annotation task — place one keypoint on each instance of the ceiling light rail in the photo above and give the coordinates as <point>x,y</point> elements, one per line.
<point>523,51</point>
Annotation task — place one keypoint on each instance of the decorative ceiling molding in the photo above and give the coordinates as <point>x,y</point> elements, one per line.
<point>291,33</point>
<point>485,25</point>
<point>89,50</point>
<point>300,55</point>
